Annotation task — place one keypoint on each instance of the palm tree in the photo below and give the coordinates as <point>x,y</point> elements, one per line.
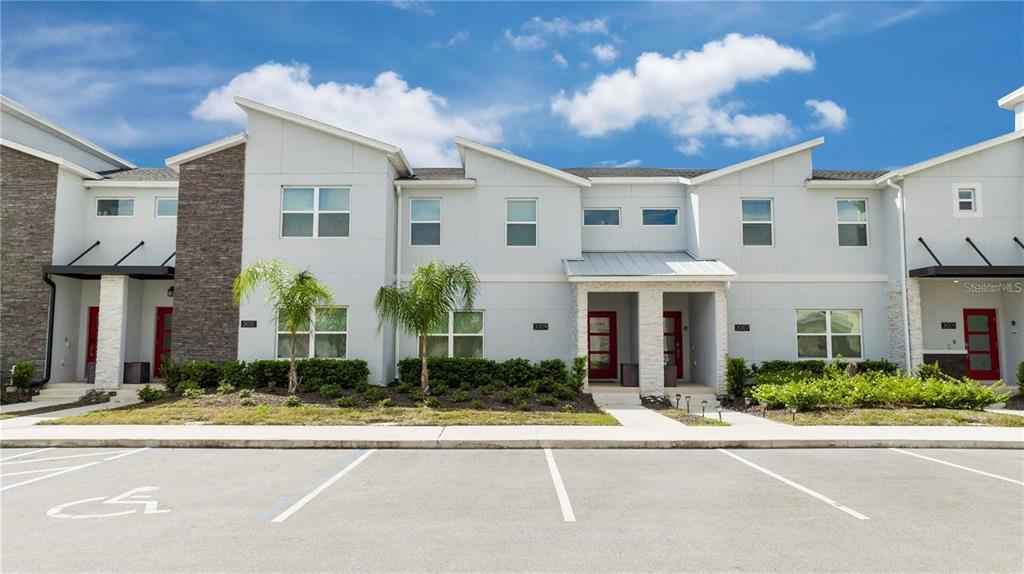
<point>434,290</point>
<point>293,296</point>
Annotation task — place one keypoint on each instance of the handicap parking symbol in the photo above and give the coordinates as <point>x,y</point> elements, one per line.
<point>134,496</point>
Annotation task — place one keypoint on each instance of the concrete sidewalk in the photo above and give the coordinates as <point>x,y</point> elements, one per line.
<point>641,428</point>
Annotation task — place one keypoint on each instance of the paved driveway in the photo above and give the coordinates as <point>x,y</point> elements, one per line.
<point>130,510</point>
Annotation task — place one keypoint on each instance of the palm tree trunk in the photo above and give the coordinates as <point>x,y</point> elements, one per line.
<point>424,369</point>
<point>293,376</point>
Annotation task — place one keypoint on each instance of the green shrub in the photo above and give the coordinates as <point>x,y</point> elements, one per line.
<point>330,391</point>
<point>346,402</point>
<point>148,394</point>
<point>438,388</point>
<point>567,408</point>
<point>518,372</point>
<point>22,375</point>
<point>361,387</point>
<point>192,392</point>
<point>735,376</point>
<point>454,370</point>
<point>292,401</point>
<point>384,403</point>
<point>245,393</point>
<point>347,373</point>
<point>405,388</point>
<point>234,373</point>
<point>554,369</point>
<point>1020,376</point>
<point>878,366</point>
<point>429,403</point>
<point>459,396</point>
<point>205,374</point>
<point>507,397</point>
<point>267,373</point>
<point>476,404</point>
<point>565,392</point>
<point>931,371</point>
<point>547,400</point>
<point>185,386</point>
<point>225,388</point>
<point>247,401</point>
<point>375,394</point>
<point>548,384</point>
<point>579,372</point>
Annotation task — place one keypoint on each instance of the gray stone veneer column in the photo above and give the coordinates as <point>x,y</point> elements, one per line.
<point>112,331</point>
<point>579,325</point>
<point>916,327</point>
<point>651,335</point>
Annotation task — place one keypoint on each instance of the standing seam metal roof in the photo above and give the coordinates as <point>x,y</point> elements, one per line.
<point>644,264</point>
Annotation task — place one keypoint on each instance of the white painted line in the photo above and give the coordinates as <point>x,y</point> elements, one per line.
<point>968,469</point>
<point>126,453</point>
<point>563,496</point>
<point>37,471</point>
<point>316,491</point>
<point>66,457</point>
<point>51,475</point>
<point>799,487</point>
<point>19,455</point>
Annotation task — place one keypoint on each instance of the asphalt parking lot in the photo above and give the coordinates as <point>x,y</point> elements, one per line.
<point>132,510</point>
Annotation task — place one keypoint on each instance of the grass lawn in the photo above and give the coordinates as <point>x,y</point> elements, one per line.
<point>183,411</point>
<point>693,420</point>
<point>896,417</point>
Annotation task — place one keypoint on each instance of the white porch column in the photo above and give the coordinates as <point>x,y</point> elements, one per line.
<point>579,326</point>
<point>916,328</point>
<point>651,335</point>
<point>721,337</point>
<point>111,332</point>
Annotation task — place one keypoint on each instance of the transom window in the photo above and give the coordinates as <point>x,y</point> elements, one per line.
<point>425,221</point>
<point>827,334</point>
<point>462,336</point>
<point>601,216</point>
<point>328,337</point>
<point>659,216</point>
<point>758,222</point>
<point>166,207</point>
<point>852,217</point>
<point>115,207</point>
<point>521,222</point>
<point>314,212</point>
<point>965,199</point>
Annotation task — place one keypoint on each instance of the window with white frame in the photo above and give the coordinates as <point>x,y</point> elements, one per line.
<point>115,207</point>
<point>314,212</point>
<point>828,334</point>
<point>852,218</point>
<point>328,337</point>
<point>462,336</point>
<point>521,222</point>
<point>966,200</point>
<point>424,221</point>
<point>758,217</point>
<point>601,216</point>
<point>659,216</point>
<point>167,207</point>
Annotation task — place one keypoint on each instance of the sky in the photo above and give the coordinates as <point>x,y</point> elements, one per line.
<point>658,84</point>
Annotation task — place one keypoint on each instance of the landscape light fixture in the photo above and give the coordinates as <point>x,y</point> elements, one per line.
<point>687,404</point>
<point>793,410</point>
<point>719,409</point>
<point>678,396</point>
<point>703,405</point>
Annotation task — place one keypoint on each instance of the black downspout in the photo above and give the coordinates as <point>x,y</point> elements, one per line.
<point>49,329</point>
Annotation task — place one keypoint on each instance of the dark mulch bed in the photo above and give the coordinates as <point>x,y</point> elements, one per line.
<point>1016,402</point>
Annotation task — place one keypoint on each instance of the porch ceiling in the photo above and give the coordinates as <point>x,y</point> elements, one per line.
<point>645,265</point>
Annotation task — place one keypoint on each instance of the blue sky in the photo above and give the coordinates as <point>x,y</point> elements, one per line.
<point>568,84</point>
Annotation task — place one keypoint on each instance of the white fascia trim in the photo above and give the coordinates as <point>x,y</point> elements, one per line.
<point>512,278</point>
<point>639,180</point>
<point>1010,101</point>
<point>436,183</point>
<point>113,183</point>
<point>843,184</point>
<point>650,278</point>
<point>757,161</point>
<point>956,154</point>
<point>23,113</point>
<point>174,162</point>
<point>811,278</point>
<point>61,162</point>
<point>394,153</point>
<point>463,143</point>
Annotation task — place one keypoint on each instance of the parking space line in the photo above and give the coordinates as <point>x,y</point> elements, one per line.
<point>316,491</point>
<point>563,496</point>
<point>126,453</point>
<point>51,475</point>
<point>21,454</point>
<point>88,454</point>
<point>66,469</point>
<point>799,487</point>
<point>967,468</point>
<point>37,471</point>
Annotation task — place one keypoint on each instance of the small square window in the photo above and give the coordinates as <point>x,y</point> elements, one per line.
<point>315,212</point>
<point>852,218</point>
<point>967,200</point>
<point>521,222</point>
<point>425,221</point>
<point>757,217</point>
<point>166,207</point>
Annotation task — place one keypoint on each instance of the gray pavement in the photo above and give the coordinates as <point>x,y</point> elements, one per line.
<point>806,510</point>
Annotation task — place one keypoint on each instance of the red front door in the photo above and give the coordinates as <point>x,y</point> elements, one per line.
<point>162,348</point>
<point>92,334</point>
<point>982,344</point>
<point>674,341</point>
<point>603,358</point>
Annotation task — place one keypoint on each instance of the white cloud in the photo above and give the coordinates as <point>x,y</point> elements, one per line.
<point>605,53</point>
<point>827,24</point>
<point>460,37</point>
<point>691,146</point>
<point>565,27</point>
<point>831,116</point>
<point>901,16</point>
<point>628,163</point>
<point>413,118</point>
<point>684,92</point>
<point>525,42</point>
<point>559,60</point>
<point>414,6</point>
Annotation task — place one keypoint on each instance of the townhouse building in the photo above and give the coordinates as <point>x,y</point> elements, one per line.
<point>656,275</point>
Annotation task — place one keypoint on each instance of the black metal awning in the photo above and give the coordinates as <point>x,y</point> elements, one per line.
<point>95,271</point>
<point>996,271</point>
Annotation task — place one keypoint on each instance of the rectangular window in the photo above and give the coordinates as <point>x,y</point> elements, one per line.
<point>828,334</point>
<point>115,207</point>
<point>425,221</point>
<point>965,199</point>
<point>327,339</point>
<point>852,217</point>
<point>758,222</point>
<point>659,216</point>
<point>314,212</point>
<point>166,207</point>
<point>521,222</point>
<point>601,216</point>
<point>462,336</point>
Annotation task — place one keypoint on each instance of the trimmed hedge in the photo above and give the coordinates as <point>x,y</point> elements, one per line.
<point>464,372</point>
<point>780,372</point>
<point>270,373</point>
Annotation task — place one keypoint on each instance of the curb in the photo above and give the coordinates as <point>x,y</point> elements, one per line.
<point>508,444</point>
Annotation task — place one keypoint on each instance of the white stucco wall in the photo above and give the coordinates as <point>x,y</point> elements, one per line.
<point>630,234</point>
<point>17,130</point>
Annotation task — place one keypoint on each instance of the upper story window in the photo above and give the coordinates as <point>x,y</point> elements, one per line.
<point>462,335</point>
<point>167,207</point>
<point>659,216</point>
<point>758,216</point>
<point>521,222</point>
<point>852,217</point>
<point>424,221</point>
<point>328,337</point>
<point>827,334</point>
<point>115,207</point>
<point>601,216</point>
<point>966,200</point>
<point>314,212</point>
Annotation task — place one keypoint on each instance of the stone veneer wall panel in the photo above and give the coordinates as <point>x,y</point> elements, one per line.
<point>28,198</point>
<point>209,255</point>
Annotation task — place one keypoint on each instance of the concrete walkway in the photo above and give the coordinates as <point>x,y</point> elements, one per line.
<point>641,428</point>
